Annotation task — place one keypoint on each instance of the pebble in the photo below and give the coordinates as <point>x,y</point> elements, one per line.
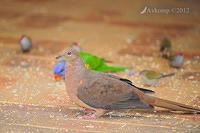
<point>195,92</point>
<point>137,114</point>
<point>13,62</point>
<point>194,81</point>
<point>195,99</point>
<point>157,42</point>
<point>56,95</point>
<point>89,126</point>
<point>37,68</point>
<point>128,40</point>
<point>24,63</point>
<point>191,77</point>
<point>14,90</point>
<point>131,73</point>
<point>41,49</point>
<point>51,116</point>
<point>189,126</point>
<point>188,62</point>
<point>20,104</point>
<point>197,57</point>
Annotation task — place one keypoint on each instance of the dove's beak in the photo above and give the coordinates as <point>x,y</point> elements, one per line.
<point>57,76</point>
<point>60,56</point>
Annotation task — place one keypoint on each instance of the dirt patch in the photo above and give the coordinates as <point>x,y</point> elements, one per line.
<point>109,13</point>
<point>191,76</point>
<point>42,21</point>
<point>9,40</point>
<point>148,43</point>
<point>4,81</point>
<point>9,14</point>
<point>158,26</point>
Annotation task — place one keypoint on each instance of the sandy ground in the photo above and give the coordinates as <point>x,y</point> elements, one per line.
<point>32,101</point>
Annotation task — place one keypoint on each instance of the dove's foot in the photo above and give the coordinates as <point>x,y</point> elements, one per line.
<point>88,111</point>
<point>93,116</point>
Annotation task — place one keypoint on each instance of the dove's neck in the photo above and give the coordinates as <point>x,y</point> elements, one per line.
<point>74,73</point>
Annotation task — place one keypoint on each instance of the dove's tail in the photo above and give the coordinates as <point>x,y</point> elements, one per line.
<point>167,75</point>
<point>170,104</point>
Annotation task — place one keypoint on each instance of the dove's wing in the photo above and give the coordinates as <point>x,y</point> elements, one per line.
<point>106,92</point>
<point>130,83</point>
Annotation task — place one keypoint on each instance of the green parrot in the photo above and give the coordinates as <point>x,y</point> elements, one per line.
<point>95,63</point>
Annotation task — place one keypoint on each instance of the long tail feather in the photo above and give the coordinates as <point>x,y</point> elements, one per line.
<point>170,104</point>
<point>167,75</point>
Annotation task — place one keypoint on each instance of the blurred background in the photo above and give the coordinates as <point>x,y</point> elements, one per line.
<point>124,32</point>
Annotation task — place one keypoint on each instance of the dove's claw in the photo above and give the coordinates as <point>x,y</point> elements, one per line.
<point>88,111</point>
<point>93,116</point>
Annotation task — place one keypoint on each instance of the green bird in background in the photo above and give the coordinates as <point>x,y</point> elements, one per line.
<point>165,47</point>
<point>96,63</point>
<point>150,77</point>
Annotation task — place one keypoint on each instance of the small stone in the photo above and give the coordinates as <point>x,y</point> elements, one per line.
<point>195,99</point>
<point>189,126</point>
<point>197,57</point>
<point>51,116</point>
<point>195,92</point>
<point>24,63</point>
<point>131,73</point>
<point>41,49</point>
<point>188,62</point>
<point>128,40</point>
<point>191,77</point>
<point>14,90</point>
<point>20,104</point>
<point>13,62</point>
<point>56,95</point>
<point>89,126</point>
<point>137,114</point>
<point>194,81</point>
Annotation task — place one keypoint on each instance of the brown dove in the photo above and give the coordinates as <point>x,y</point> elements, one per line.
<point>103,92</point>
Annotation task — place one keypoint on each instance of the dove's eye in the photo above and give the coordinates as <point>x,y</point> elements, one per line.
<point>69,53</point>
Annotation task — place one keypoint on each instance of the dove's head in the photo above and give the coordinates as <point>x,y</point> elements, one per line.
<point>70,54</point>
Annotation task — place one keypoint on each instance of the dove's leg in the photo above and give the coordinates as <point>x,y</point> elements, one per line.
<point>97,114</point>
<point>100,112</point>
<point>88,111</point>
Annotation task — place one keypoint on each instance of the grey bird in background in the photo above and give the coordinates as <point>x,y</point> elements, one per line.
<point>25,43</point>
<point>176,60</point>
<point>76,46</point>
